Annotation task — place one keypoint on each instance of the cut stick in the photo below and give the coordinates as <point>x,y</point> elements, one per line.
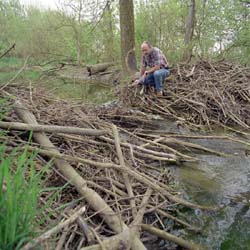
<point>139,177</point>
<point>119,241</point>
<point>54,230</point>
<point>170,237</point>
<point>124,174</point>
<point>93,198</point>
<point>51,129</point>
<point>150,153</point>
<point>135,225</point>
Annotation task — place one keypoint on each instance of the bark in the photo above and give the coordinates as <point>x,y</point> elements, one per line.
<point>93,198</point>
<point>100,67</point>
<point>125,175</point>
<point>51,129</point>
<point>109,33</point>
<point>190,23</point>
<point>119,241</point>
<point>127,36</point>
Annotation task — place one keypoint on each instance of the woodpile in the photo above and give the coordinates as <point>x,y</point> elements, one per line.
<point>201,94</point>
<point>118,166</point>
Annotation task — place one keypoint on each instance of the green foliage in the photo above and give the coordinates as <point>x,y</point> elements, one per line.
<point>222,29</point>
<point>18,198</point>
<point>10,66</point>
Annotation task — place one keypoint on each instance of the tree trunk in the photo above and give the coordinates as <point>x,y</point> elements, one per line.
<point>190,23</point>
<point>127,36</point>
<point>108,30</point>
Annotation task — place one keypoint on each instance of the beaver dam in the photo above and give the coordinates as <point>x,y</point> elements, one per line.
<point>113,164</point>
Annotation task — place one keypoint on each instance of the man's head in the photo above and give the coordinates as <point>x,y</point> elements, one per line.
<point>146,48</point>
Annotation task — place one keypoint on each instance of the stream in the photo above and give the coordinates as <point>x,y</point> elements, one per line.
<point>214,180</point>
<point>217,181</point>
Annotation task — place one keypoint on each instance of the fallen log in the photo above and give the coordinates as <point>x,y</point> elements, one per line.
<point>93,198</point>
<point>100,67</point>
<point>51,129</point>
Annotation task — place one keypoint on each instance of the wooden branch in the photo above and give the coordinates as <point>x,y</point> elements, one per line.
<point>93,198</point>
<point>171,217</point>
<point>151,154</point>
<point>135,225</point>
<point>8,50</point>
<point>124,174</point>
<point>54,230</point>
<point>170,237</point>
<point>86,230</point>
<point>51,129</point>
<point>139,177</point>
<point>119,241</point>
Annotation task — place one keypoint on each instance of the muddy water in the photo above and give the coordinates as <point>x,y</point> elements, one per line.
<point>223,182</point>
<point>87,92</point>
<point>218,181</point>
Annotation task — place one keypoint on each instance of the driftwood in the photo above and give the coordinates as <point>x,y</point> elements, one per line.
<point>119,241</point>
<point>96,68</point>
<point>89,194</point>
<point>202,94</point>
<point>104,170</point>
<point>169,237</point>
<point>125,175</point>
<point>51,129</point>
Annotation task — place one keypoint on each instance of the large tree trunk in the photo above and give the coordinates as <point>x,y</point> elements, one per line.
<point>127,36</point>
<point>108,30</point>
<point>190,23</point>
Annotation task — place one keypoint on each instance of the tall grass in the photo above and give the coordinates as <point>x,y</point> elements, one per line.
<point>20,186</point>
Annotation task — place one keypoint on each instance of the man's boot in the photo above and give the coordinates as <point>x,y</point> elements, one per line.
<point>159,93</point>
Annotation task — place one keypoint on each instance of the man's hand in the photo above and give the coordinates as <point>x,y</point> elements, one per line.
<point>135,83</point>
<point>145,73</point>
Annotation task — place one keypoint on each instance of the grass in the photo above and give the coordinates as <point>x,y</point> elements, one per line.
<point>9,67</point>
<point>20,187</point>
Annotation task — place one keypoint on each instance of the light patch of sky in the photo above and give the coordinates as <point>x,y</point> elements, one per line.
<point>48,4</point>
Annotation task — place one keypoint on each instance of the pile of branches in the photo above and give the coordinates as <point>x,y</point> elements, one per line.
<point>114,171</point>
<point>201,94</point>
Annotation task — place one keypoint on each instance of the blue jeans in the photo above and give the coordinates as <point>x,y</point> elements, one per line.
<point>156,78</point>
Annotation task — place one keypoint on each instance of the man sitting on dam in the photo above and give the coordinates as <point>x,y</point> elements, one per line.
<point>154,68</point>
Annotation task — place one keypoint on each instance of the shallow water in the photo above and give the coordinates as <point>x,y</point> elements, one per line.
<point>87,92</point>
<point>223,182</point>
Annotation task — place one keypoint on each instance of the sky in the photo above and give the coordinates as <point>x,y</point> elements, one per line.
<point>40,3</point>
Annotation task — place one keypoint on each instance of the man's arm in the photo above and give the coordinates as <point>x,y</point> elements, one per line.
<point>142,71</point>
<point>153,69</point>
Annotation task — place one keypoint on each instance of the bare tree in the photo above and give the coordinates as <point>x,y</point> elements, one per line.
<point>127,35</point>
<point>189,31</point>
<point>78,14</point>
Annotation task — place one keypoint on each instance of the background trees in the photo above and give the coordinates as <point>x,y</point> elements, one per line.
<point>88,31</point>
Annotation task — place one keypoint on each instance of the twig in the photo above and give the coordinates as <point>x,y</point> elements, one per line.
<point>54,230</point>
